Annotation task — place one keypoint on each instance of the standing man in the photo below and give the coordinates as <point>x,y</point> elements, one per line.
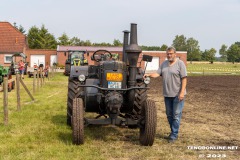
<point>174,74</point>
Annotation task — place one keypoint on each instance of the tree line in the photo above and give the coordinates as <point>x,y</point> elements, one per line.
<point>40,38</point>
<point>228,54</point>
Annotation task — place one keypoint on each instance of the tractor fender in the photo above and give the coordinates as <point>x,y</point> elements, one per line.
<point>91,98</point>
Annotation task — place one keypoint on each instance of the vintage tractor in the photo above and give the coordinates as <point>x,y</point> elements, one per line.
<point>115,90</point>
<point>75,58</point>
<point>5,72</point>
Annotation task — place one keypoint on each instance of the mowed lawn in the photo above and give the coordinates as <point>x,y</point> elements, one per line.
<point>217,68</point>
<point>39,131</point>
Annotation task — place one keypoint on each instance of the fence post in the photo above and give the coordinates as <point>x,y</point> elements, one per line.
<point>37,79</point>
<point>41,81</point>
<point>34,81</point>
<point>25,87</point>
<point>5,99</point>
<point>18,92</point>
<point>43,77</point>
<point>48,76</point>
<point>54,70</point>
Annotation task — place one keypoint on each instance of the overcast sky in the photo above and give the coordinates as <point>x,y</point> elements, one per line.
<point>211,22</point>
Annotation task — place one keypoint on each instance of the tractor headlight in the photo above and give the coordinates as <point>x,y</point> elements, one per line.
<point>147,80</point>
<point>81,78</point>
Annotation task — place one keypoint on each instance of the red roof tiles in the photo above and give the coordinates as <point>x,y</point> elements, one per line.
<point>11,39</point>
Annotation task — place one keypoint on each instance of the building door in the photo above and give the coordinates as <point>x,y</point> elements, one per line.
<point>53,59</point>
<point>38,59</point>
<point>154,65</point>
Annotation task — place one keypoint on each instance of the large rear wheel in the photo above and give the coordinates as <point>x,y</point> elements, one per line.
<point>148,123</point>
<point>78,121</point>
<point>140,99</point>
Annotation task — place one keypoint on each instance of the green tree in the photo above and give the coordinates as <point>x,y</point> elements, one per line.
<point>237,43</point>
<point>144,48</point>
<point>40,38</point>
<point>117,42</point>
<point>180,43</point>
<point>33,38</point>
<point>87,43</point>
<point>223,52</point>
<point>233,53</point>
<point>150,48</point>
<point>209,55</point>
<point>64,40</point>
<point>75,41</point>
<point>163,47</point>
<point>204,55</point>
<point>20,27</point>
<point>193,50</point>
<point>102,44</point>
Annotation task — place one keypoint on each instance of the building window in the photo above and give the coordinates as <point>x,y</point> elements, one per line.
<point>7,58</point>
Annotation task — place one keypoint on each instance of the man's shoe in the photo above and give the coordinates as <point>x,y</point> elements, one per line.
<point>171,137</point>
<point>171,140</point>
<point>166,137</point>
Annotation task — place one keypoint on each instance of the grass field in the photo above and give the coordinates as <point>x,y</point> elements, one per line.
<point>217,68</point>
<point>39,131</point>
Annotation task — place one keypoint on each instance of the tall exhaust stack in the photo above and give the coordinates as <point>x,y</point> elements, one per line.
<point>125,43</point>
<point>133,51</point>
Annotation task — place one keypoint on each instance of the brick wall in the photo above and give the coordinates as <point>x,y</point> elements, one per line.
<point>2,60</point>
<point>46,52</point>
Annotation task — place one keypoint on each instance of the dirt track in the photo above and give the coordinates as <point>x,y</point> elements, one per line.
<point>219,93</point>
<point>212,109</point>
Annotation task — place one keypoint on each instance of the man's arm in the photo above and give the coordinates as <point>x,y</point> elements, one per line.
<point>151,75</point>
<point>184,84</point>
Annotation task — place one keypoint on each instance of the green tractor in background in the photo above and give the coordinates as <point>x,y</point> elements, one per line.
<point>5,72</point>
<point>75,58</point>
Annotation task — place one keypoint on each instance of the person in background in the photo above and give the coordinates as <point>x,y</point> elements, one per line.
<point>35,66</point>
<point>21,68</point>
<point>46,70</point>
<point>174,74</point>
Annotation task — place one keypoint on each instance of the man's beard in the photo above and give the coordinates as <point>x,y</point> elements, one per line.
<point>171,59</point>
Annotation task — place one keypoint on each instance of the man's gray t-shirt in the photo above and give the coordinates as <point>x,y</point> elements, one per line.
<point>172,77</point>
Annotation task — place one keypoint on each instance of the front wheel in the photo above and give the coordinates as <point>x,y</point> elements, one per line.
<point>73,92</point>
<point>148,123</point>
<point>78,121</point>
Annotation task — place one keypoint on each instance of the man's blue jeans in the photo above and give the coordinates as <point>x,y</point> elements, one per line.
<point>174,109</point>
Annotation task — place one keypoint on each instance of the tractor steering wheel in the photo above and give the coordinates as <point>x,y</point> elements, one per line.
<point>101,55</point>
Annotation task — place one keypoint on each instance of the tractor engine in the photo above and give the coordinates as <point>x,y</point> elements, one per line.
<point>113,76</point>
<point>113,103</point>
